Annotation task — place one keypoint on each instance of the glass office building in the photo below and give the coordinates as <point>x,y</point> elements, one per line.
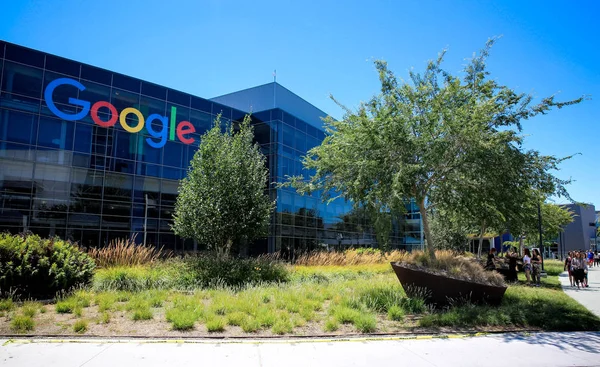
<point>89,155</point>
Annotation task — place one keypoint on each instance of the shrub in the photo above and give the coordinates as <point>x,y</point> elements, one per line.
<point>66,306</point>
<point>236,318</point>
<point>282,326</point>
<point>395,313</point>
<point>30,308</point>
<point>142,313</point>
<point>6,304</point>
<point>380,299</point>
<point>250,325</point>
<point>36,267</point>
<point>183,320</point>
<point>366,323</point>
<point>346,315</point>
<point>210,270</point>
<point>80,326</point>
<point>22,323</point>
<point>125,252</point>
<point>215,324</point>
<point>332,324</point>
<point>414,305</point>
<point>104,318</point>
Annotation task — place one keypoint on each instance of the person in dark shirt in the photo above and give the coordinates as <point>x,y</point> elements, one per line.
<point>512,265</point>
<point>491,265</point>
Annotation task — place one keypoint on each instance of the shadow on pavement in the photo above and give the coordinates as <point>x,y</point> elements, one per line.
<point>582,341</point>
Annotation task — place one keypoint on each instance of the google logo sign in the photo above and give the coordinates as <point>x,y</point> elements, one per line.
<point>169,127</point>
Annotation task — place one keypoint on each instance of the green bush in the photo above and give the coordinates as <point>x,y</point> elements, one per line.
<point>210,271</point>
<point>22,323</point>
<point>366,323</point>
<point>395,313</point>
<point>35,267</point>
<point>80,326</point>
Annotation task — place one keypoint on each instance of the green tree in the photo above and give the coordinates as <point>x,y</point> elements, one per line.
<point>222,201</point>
<point>420,139</point>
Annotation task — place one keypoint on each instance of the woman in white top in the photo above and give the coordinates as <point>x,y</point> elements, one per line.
<point>527,265</point>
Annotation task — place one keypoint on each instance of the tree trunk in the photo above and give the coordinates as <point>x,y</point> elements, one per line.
<point>426,230</point>
<point>481,240</point>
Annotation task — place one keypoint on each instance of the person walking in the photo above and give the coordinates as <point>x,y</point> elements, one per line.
<point>527,265</point>
<point>567,267</point>
<point>577,264</point>
<point>536,266</point>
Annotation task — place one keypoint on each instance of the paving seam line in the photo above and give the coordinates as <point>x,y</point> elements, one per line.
<point>242,341</point>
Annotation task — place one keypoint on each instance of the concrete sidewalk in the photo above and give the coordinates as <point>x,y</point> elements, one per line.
<point>540,349</point>
<point>589,297</point>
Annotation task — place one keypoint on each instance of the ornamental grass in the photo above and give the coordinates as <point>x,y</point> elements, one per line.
<point>125,252</point>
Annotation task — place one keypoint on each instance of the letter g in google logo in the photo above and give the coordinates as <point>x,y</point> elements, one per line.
<point>182,129</point>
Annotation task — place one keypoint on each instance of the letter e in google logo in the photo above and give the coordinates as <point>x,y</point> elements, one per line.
<point>169,126</point>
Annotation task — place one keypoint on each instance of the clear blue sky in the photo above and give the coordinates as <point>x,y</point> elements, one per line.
<point>212,47</point>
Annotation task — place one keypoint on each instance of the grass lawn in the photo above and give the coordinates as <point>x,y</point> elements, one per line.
<point>316,300</point>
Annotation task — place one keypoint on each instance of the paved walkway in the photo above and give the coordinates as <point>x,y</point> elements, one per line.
<point>540,349</point>
<point>589,297</point>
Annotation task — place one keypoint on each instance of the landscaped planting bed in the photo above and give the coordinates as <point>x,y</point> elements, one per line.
<point>314,300</point>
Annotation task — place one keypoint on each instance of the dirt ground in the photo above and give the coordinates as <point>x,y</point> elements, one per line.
<point>50,323</point>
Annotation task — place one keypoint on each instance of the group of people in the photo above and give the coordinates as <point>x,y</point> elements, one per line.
<point>577,264</point>
<point>532,264</point>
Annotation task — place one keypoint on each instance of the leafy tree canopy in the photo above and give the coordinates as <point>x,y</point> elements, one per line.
<point>222,201</point>
<point>437,138</point>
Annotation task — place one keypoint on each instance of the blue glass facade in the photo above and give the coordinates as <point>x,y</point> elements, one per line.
<point>88,183</point>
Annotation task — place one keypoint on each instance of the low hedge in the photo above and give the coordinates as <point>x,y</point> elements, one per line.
<point>31,266</point>
<point>210,271</point>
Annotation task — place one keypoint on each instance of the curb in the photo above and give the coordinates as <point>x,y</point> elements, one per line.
<point>32,339</point>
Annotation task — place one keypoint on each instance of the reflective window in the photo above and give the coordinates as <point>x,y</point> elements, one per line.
<point>62,66</point>
<point>18,127</point>
<point>149,106</point>
<point>147,169</point>
<point>86,184</point>
<point>94,93</point>
<point>124,82</point>
<point>123,165</point>
<point>22,80</point>
<point>288,135</point>
<point>149,154</point>
<point>172,173</point>
<point>24,55</point>
<point>178,97</point>
<point>202,121</point>
<point>173,152</point>
<point>83,138</point>
<point>262,133</point>
<point>117,187</point>
<point>122,99</point>
<point>154,90</point>
<point>126,145</point>
<point>223,110</point>
<point>95,74</point>
<point>52,181</point>
<point>169,193</point>
<point>201,104</point>
<point>16,151</point>
<point>301,125</point>
<point>54,133</point>
<point>146,186</point>
<point>62,93</point>
<point>300,140</point>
